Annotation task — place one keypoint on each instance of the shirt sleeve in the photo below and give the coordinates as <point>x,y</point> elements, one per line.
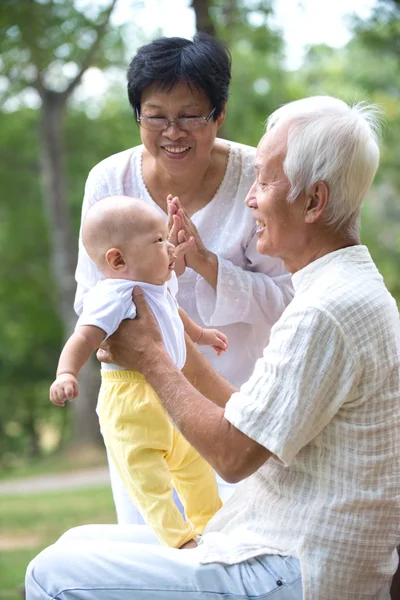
<point>259,293</point>
<point>306,374</point>
<point>105,310</point>
<point>87,274</point>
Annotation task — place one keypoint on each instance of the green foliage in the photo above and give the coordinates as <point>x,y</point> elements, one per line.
<point>30,328</point>
<point>45,41</point>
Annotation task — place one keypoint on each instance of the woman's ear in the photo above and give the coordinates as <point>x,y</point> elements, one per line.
<point>317,201</point>
<point>114,259</point>
<point>220,120</point>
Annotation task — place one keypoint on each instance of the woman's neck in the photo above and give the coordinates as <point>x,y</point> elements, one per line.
<point>194,188</point>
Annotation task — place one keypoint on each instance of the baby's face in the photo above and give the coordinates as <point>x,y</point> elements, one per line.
<point>149,257</point>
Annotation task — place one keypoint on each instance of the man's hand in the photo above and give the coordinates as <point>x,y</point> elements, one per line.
<point>214,338</point>
<point>65,387</point>
<point>137,342</point>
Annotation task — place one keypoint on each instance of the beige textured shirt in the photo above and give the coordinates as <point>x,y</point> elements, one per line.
<point>324,399</point>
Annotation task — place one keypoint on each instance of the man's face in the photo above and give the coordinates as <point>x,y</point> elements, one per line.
<point>280,224</point>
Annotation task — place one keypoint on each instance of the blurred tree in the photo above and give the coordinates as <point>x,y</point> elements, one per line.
<point>203,18</point>
<point>47,47</point>
<point>259,80</point>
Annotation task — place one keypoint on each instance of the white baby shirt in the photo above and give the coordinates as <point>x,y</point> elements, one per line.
<point>110,301</point>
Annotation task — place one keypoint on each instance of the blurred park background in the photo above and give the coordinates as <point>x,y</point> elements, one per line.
<point>63,108</point>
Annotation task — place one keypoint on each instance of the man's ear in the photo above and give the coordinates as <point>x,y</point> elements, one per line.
<point>316,202</point>
<point>114,259</point>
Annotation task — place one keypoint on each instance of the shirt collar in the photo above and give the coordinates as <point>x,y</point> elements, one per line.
<point>159,291</point>
<point>312,271</point>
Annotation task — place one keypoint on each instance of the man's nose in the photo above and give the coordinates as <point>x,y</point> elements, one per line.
<point>250,199</point>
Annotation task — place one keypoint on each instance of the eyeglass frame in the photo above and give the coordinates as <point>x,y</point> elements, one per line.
<point>170,121</point>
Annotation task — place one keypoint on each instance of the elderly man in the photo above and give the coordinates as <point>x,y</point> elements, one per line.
<point>314,430</point>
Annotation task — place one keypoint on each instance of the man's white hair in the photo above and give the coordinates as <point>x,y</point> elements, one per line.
<point>330,141</point>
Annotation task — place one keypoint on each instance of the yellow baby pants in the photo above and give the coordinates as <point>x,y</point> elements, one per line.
<point>152,457</point>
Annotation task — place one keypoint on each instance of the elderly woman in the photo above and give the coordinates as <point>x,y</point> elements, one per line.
<point>178,90</point>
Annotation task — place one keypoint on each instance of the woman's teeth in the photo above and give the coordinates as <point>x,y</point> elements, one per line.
<point>176,150</point>
<point>260,223</point>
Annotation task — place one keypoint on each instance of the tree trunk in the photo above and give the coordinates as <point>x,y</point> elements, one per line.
<point>203,19</point>
<point>63,253</point>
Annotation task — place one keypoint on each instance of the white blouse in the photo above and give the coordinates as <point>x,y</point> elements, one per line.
<point>324,399</point>
<point>252,290</point>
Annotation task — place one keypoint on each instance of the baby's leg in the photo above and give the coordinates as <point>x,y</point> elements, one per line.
<point>138,436</point>
<point>127,513</point>
<point>195,483</point>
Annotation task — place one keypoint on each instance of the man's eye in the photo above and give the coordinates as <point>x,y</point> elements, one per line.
<point>190,117</point>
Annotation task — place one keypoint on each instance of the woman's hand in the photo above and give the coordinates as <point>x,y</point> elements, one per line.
<point>178,238</point>
<point>197,256</point>
<point>137,342</point>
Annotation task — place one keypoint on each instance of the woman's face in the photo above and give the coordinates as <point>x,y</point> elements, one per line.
<point>174,148</point>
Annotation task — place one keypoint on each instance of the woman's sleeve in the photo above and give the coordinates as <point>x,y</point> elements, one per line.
<point>256,294</point>
<point>86,273</point>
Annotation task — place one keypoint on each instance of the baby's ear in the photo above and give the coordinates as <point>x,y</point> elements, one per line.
<point>114,259</point>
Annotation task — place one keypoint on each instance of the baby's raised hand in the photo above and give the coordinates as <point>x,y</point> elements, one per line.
<point>65,387</point>
<point>214,338</point>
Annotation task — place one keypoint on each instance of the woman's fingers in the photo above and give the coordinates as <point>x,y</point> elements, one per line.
<point>171,210</point>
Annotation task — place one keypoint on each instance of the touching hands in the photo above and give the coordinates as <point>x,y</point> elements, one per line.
<point>65,387</point>
<point>183,232</point>
<point>177,237</point>
<point>214,338</point>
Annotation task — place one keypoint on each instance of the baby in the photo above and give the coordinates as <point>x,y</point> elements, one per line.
<point>127,240</point>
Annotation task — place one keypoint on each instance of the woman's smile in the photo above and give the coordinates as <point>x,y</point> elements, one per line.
<point>175,152</point>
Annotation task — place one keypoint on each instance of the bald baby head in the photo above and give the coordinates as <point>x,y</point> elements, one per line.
<point>113,222</point>
<point>128,239</point>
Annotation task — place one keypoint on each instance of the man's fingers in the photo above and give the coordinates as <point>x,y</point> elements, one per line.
<point>103,355</point>
<point>142,308</point>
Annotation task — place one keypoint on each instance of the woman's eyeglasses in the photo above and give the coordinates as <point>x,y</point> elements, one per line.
<point>184,123</point>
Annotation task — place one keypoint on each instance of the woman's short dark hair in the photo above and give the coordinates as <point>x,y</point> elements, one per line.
<point>204,63</point>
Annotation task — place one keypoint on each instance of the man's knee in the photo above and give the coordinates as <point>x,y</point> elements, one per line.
<point>38,571</point>
<point>83,532</point>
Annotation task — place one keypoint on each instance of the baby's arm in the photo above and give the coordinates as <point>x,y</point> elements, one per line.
<point>204,337</point>
<point>76,352</point>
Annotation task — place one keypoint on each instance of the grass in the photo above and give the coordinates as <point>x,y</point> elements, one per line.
<point>30,523</point>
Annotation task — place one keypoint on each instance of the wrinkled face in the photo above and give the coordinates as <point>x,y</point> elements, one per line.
<point>175,149</point>
<point>149,257</point>
<point>280,225</point>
